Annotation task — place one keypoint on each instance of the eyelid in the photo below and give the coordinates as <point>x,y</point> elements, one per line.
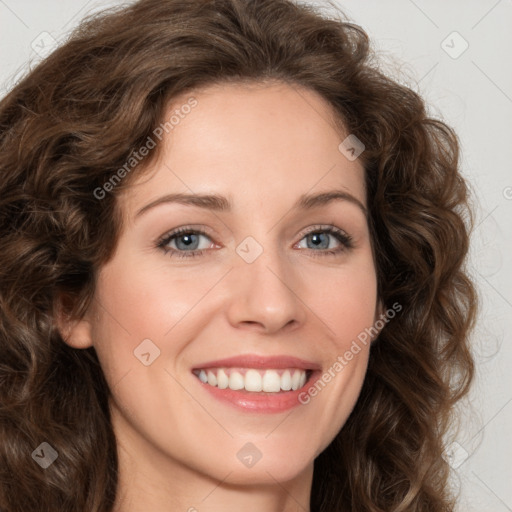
<point>322,227</point>
<point>196,228</point>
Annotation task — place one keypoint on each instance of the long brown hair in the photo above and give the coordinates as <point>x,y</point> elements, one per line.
<point>74,121</point>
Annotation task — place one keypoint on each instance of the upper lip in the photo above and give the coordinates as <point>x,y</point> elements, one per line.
<point>260,361</point>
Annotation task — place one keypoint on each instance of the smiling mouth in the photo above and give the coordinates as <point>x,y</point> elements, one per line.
<point>254,380</point>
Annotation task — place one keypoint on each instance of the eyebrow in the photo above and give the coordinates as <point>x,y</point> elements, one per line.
<point>220,203</point>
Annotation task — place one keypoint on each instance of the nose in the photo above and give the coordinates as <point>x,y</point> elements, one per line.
<point>264,296</point>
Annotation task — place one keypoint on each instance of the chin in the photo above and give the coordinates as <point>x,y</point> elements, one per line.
<point>273,465</point>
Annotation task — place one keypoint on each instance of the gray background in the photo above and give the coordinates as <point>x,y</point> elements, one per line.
<point>454,53</point>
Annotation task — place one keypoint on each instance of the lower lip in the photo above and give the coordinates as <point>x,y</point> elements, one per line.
<point>261,402</point>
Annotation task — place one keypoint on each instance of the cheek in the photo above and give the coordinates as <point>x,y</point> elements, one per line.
<point>144,302</point>
<point>346,305</point>
<point>346,301</point>
<point>137,303</point>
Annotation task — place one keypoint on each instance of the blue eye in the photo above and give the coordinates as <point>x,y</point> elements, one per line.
<point>321,237</point>
<point>187,242</point>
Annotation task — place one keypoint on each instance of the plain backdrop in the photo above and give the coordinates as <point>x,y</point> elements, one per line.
<point>456,54</point>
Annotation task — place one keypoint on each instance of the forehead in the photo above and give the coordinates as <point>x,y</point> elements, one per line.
<point>253,143</point>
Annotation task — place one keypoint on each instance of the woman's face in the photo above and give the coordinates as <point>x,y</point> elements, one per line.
<point>267,268</point>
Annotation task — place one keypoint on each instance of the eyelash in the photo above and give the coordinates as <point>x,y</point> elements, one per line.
<point>338,234</point>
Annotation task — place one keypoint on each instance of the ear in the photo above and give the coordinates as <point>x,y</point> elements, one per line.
<point>76,333</point>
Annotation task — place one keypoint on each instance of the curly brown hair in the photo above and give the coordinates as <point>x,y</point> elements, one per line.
<point>76,118</point>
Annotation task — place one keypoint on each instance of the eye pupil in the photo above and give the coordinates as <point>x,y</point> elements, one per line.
<point>188,239</point>
<point>316,240</point>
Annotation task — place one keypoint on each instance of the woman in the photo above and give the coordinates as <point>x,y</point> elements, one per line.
<point>232,270</point>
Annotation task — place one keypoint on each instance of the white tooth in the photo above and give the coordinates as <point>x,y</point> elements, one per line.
<point>222,379</point>
<point>271,381</point>
<point>212,378</point>
<point>236,381</point>
<point>302,379</point>
<point>253,381</point>
<point>295,380</point>
<point>202,376</point>
<point>286,381</point>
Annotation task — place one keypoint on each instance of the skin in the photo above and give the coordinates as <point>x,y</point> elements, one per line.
<point>262,146</point>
